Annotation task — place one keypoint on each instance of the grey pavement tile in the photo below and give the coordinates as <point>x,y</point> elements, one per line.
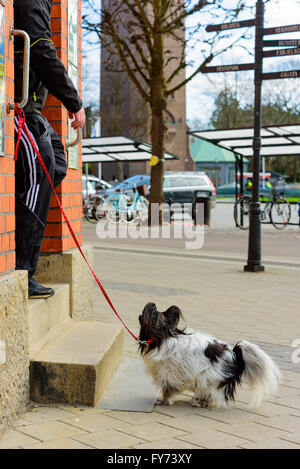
<point>231,416</point>
<point>270,409</point>
<point>96,422</point>
<point>109,439</point>
<point>272,443</point>
<point>213,439</point>
<point>63,443</point>
<point>45,414</point>
<point>153,431</point>
<point>285,422</point>
<point>171,443</point>
<point>290,401</point>
<point>52,430</point>
<point>178,409</point>
<point>137,418</point>
<point>193,423</point>
<point>13,439</point>
<point>253,431</point>
<point>294,437</point>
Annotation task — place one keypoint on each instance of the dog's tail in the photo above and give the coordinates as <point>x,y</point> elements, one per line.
<point>259,371</point>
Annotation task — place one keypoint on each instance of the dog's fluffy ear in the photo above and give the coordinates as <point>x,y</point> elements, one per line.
<point>173,315</point>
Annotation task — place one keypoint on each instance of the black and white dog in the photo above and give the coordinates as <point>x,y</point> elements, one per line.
<point>180,360</point>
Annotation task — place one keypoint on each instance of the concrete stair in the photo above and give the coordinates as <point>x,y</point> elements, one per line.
<point>70,361</point>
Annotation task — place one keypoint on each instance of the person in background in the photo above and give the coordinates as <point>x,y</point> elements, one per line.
<point>33,191</point>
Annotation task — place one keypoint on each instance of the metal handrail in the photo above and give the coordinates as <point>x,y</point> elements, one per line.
<point>76,142</point>
<point>26,70</point>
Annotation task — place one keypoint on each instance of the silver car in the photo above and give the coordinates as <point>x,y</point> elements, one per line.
<point>92,185</point>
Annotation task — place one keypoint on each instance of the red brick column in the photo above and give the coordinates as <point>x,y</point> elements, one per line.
<point>7,167</point>
<point>57,237</point>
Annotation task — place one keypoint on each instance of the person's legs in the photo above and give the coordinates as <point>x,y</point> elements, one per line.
<point>33,193</point>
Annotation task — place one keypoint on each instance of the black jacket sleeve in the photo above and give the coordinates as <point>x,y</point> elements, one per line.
<point>34,17</point>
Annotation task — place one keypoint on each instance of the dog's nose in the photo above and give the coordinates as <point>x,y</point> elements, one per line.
<point>140,318</point>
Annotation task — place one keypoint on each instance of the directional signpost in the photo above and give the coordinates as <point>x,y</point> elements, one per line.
<point>227,26</point>
<point>293,48</point>
<point>228,68</point>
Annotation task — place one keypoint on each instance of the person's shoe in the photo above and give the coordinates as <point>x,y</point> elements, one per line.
<point>35,290</point>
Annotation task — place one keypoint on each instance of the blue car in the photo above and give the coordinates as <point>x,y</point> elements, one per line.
<point>130,183</point>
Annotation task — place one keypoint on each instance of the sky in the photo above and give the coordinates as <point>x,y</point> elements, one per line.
<point>202,90</point>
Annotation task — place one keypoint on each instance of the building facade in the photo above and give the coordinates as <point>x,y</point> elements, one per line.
<point>123,112</point>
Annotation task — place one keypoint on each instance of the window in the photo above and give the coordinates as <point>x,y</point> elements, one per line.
<point>186,181</point>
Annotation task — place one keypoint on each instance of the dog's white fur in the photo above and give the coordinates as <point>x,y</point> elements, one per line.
<point>180,363</point>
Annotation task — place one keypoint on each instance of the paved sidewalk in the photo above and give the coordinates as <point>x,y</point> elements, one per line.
<point>215,296</point>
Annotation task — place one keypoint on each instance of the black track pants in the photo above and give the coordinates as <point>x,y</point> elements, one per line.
<point>33,190</point>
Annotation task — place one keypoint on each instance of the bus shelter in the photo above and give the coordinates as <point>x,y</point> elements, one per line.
<point>276,141</point>
<point>280,140</point>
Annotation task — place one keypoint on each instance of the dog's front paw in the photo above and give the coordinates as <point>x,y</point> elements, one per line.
<point>163,402</point>
<point>201,403</point>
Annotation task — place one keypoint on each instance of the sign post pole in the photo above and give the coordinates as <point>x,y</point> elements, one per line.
<point>254,246</point>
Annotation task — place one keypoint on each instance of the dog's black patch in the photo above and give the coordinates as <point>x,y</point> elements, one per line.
<point>214,350</point>
<point>235,371</point>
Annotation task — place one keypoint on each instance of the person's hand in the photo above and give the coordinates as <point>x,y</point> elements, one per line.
<point>79,119</point>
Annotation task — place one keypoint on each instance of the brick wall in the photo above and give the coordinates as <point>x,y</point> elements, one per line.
<point>57,237</point>
<point>7,167</point>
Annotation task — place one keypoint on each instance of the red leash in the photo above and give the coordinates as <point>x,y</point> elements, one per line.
<point>23,127</point>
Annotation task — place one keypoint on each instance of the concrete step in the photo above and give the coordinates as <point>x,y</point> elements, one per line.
<point>46,318</point>
<point>130,389</point>
<point>77,365</point>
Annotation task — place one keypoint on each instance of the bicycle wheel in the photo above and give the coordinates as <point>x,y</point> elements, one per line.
<point>241,212</point>
<point>280,213</point>
<point>99,205</point>
<point>111,209</point>
<point>89,212</point>
<point>142,207</point>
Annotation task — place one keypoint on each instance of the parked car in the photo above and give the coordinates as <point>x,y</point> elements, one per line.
<point>92,185</point>
<point>228,189</point>
<point>129,183</point>
<point>189,187</point>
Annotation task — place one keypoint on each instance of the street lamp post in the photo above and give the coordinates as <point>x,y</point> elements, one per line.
<point>254,246</point>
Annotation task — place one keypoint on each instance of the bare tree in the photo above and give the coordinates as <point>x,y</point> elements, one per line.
<point>134,32</point>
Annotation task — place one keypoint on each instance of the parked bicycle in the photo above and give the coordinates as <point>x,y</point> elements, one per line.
<point>93,208</point>
<point>277,210</point>
<point>122,207</point>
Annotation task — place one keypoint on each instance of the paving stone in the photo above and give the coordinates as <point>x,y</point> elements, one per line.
<point>14,439</point>
<point>45,414</point>
<point>286,391</point>
<point>96,422</point>
<point>51,430</point>
<point>171,443</point>
<point>153,431</point>
<point>233,416</point>
<point>193,423</point>
<point>288,423</point>
<point>63,443</point>
<point>83,410</point>
<point>108,439</point>
<point>294,437</point>
<point>137,418</point>
<point>269,409</point>
<point>273,443</point>
<point>179,409</point>
<point>212,439</point>
<point>292,401</point>
<point>253,431</point>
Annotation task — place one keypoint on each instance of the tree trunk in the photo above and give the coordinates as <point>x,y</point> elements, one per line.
<point>158,104</point>
<point>158,132</point>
